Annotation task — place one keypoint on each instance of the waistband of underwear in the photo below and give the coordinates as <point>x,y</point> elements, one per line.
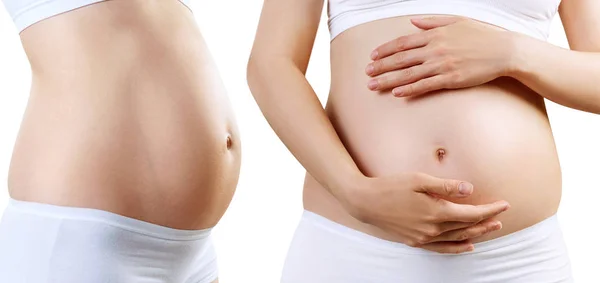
<point>108,218</point>
<point>540,230</point>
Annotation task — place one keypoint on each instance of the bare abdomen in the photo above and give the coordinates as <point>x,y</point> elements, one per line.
<point>130,120</point>
<point>496,136</point>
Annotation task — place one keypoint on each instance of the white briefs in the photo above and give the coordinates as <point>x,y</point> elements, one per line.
<point>323,251</point>
<point>41,243</point>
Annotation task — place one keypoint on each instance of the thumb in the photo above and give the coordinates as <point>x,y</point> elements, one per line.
<point>434,21</point>
<point>444,187</point>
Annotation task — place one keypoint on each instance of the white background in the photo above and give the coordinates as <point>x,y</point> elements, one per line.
<point>253,236</point>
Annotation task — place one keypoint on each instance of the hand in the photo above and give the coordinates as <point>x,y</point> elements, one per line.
<point>451,53</point>
<point>410,207</point>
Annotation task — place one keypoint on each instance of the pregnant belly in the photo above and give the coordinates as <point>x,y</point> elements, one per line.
<point>128,115</point>
<point>165,157</point>
<point>496,136</point>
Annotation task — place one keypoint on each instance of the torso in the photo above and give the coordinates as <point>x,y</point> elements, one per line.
<point>496,136</point>
<point>127,114</point>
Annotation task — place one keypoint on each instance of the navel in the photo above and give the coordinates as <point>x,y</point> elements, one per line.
<point>440,154</point>
<point>229,142</point>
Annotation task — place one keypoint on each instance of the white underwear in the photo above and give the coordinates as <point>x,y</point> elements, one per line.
<point>41,243</point>
<point>325,251</point>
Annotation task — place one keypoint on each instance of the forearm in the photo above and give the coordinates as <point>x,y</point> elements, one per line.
<point>291,107</point>
<point>567,77</point>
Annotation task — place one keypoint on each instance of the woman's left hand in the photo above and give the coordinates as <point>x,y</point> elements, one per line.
<point>451,53</point>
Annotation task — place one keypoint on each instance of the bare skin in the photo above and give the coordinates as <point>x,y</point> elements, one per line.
<point>394,170</point>
<point>448,55</point>
<point>496,136</point>
<point>126,115</point>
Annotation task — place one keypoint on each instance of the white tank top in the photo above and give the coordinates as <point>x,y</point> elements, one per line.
<point>531,17</point>
<point>27,12</point>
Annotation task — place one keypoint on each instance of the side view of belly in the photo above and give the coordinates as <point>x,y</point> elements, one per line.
<point>496,136</point>
<point>127,115</point>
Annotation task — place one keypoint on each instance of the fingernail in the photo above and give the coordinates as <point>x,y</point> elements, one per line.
<point>465,188</point>
<point>397,92</point>
<point>506,207</point>
<point>470,248</point>
<point>373,85</point>
<point>370,69</point>
<point>497,226</point>
<point>374,54</point>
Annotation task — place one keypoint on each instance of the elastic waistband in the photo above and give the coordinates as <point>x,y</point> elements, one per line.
<point>539,230</point>
<point>108,218</point>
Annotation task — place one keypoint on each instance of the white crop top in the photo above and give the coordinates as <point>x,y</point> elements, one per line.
<point>28,12</point>
<point>531,17</point>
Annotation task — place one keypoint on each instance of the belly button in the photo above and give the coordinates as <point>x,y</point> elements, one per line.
<point>440,154</point>
<point>229,142</point>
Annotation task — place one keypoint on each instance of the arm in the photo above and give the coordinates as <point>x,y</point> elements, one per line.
<point>457,53</point>
<point>276,70</point>
<point>567,77</point>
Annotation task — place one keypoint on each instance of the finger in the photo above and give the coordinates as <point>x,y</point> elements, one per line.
<point>472,213</point>
<point>403,77</point>
<point>449,247</point>
<point>432,22</point>
<point>444,187</point>
<point>454,225</point>
<point>395,62</point>
<point>421,87</point>
<point>471,232</point>
<point>400,44</point>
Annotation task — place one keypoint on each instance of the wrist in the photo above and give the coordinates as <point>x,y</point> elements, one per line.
<point>360,198</point>
<point>350,190</point>
<point>518,47</point>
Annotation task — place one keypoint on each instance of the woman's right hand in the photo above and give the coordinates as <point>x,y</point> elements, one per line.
<point>413,208</point>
